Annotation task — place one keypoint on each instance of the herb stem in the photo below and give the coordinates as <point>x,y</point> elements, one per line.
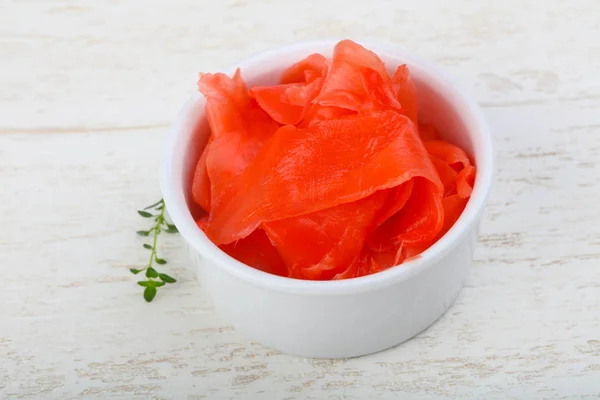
<point>159,220</point>
<point>155,279</point>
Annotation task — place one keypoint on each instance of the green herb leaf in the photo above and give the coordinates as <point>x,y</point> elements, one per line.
<point>145,214</point>
<point>149,293</point>
<point>135,271</point>
<point>160,261</point>
<point>158,203</point>
<point>144,283</point>
<point>147,246</point>
<point>151,273</point>
<point>143,233</point>
<point>159,284</point>
<point>171,228</point>
<point>166,278</point>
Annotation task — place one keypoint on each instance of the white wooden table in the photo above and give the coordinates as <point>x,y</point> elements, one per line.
<point>87,91</point>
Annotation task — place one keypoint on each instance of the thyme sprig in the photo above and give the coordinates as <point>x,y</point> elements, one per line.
<point>155,279</point>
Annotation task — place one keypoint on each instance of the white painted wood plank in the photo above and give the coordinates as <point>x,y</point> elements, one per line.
<point>88,89</point>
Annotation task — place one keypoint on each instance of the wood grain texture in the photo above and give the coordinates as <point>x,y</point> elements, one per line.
<point>88,89</point>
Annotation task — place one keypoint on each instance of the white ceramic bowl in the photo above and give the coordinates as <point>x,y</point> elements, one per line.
<point>339,318</point>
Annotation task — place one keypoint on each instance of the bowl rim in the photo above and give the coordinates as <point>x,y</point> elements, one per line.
<point>177,208</point>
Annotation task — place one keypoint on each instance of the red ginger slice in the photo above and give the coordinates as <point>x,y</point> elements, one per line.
<point>356,80</point>
<point>418,222</point>
<point>325,241</point>
<point>428,132</point>
<point>306,70</point>
<point>406,93</point>
<point>453,155</point>
<point>300,171</point>
<point>257,251</point>
<point>464,181</point>
<point>239,128</point>
<point>289,102</point>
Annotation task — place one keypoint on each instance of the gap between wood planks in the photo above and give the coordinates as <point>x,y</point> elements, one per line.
<point>81,129</point>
